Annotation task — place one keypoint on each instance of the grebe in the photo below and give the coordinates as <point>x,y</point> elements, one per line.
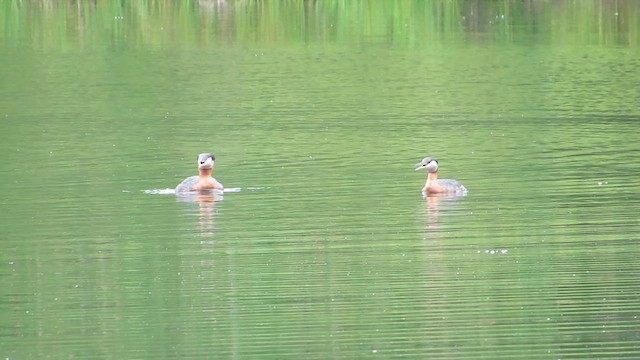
<point>435,186</point>
<point>204,181</point>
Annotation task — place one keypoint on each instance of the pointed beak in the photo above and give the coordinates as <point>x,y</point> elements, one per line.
<point>419,166</point>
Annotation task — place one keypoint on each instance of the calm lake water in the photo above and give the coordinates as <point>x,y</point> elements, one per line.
<point>318,111</point>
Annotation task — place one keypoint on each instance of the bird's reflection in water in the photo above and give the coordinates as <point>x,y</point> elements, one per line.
<point>437,205</point>
<point>206,200</point>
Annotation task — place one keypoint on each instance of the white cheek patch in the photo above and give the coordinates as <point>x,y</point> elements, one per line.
<point>432,166</point>
<point>208,164</point>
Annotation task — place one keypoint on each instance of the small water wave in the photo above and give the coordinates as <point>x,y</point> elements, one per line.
<point>494,251</point>
<point>173,191</point>
<point>232,190</point>
<point>160,191</point>
<point>454,196</point>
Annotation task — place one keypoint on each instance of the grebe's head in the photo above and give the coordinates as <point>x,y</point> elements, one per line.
<point>205,161</point>
<point>428,163</point>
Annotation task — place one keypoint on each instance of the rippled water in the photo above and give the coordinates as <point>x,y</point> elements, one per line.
<point>325,248</point>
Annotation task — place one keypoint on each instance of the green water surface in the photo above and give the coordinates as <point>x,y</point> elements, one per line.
<point>318,111</point>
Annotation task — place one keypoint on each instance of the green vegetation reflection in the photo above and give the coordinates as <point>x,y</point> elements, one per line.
<point>400,23</point>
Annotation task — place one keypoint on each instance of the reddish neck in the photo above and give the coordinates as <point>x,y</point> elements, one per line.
<point>205,172</point>
<point>432,176</point>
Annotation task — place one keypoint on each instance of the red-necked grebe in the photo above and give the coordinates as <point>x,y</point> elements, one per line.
<point>435,186</point>
<point>204,180</point>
